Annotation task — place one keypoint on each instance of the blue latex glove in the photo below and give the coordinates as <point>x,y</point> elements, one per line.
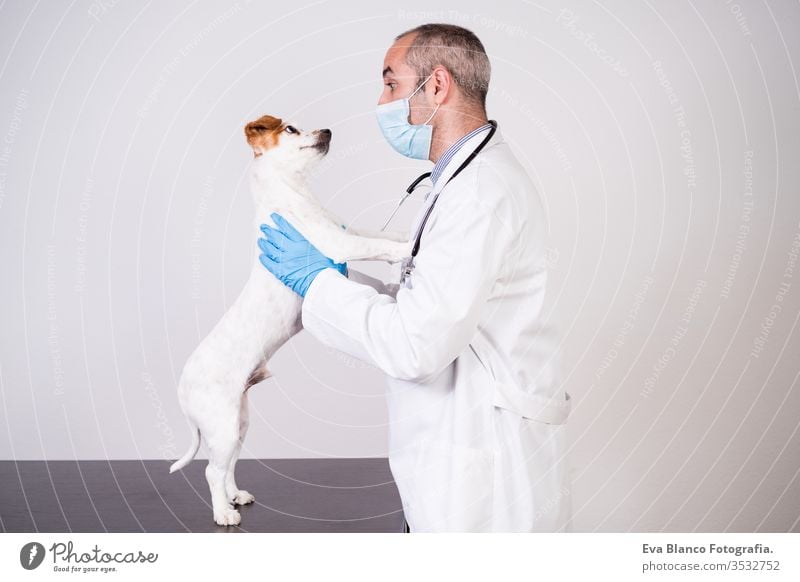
<point>289,256</point>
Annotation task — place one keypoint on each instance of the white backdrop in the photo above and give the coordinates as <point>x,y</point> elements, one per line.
<point>663,137</point>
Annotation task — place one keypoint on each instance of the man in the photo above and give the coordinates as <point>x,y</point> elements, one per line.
<point>476,406</point>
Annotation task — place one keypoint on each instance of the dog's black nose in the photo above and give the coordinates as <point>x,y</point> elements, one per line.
<point>326,132</point>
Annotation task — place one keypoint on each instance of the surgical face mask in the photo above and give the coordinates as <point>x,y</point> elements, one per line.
<point>413,141</point>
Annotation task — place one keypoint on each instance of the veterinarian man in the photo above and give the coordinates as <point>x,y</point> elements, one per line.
<point>475,400</point>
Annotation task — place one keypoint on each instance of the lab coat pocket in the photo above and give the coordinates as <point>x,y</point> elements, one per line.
<point>531,403</point>
<point>454,487</point>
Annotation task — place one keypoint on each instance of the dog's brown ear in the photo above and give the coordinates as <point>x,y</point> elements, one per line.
<point>262,125</point>
<point>261,133</point>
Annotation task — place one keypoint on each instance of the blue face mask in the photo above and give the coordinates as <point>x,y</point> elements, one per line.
<point>413,141</point>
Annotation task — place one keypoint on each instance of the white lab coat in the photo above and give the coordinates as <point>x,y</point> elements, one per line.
<point>475,399</point>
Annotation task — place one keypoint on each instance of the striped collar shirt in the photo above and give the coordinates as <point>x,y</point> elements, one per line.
<point>445,158</point>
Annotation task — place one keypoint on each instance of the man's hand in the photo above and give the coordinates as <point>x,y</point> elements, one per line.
<point>291,258</point>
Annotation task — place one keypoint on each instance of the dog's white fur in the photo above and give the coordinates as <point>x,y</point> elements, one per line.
<point>233,357</point>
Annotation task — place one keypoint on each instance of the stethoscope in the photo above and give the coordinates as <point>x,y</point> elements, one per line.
<point>407,265</point>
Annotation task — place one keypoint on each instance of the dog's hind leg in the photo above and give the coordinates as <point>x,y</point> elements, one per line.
<point>236,495</point>
<point>222,440</point>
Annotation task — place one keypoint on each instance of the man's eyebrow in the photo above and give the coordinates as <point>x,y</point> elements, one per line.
<point>387,71</point>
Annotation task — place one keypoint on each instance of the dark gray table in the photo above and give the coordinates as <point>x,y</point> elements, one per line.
<point>292,495</point>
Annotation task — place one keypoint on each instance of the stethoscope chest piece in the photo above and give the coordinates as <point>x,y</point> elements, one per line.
<point>406,268</point>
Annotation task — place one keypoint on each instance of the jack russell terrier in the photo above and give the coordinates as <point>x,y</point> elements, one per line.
<point>233,357</point>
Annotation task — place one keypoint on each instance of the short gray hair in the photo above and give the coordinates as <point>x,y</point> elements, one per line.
<point>455,48</point>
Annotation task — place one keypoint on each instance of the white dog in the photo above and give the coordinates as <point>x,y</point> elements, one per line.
<point>233,357</point>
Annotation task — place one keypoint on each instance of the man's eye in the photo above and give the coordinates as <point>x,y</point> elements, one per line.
<point>391,85</point>
<point>290,129</point>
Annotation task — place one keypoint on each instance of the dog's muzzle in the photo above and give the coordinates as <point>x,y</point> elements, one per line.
<point>323,142</point>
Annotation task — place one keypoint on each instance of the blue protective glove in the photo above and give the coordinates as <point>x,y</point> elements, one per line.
<point>291,258</point>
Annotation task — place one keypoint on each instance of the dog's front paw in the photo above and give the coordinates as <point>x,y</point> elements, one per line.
<point>399,251</point>
<point>243,497</point>
<point>227,517</point>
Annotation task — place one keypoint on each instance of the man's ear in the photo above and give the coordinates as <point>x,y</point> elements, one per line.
<point>442,84</point>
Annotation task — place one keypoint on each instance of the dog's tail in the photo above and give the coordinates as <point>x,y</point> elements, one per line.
<point>193,448</point>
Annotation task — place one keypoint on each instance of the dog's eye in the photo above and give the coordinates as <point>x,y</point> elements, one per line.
<point>290,129</point>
